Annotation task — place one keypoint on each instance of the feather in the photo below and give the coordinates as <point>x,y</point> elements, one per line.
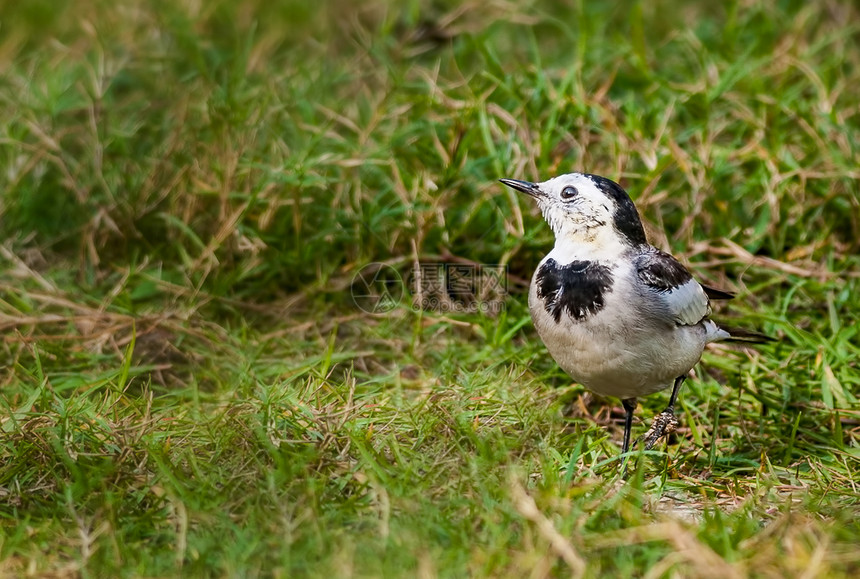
<point>746,336</point>
<point>672,284</point>
<point>716,294</point>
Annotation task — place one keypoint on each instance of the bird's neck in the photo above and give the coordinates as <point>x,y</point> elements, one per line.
<point>593,245</point>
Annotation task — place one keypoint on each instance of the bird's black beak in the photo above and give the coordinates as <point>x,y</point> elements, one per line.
<point>525,186</point>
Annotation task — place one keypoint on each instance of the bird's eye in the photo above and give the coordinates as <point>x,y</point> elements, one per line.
<point>568,193</point>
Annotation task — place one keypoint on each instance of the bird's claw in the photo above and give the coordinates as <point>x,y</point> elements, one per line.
<point>664,423</point>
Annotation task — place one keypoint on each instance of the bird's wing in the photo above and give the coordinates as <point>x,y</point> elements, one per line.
<point>670,282</point>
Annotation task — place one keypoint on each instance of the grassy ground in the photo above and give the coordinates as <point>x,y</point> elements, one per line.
<point>189,188</point>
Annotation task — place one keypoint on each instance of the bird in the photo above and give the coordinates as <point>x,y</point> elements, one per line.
<point>620,316</point>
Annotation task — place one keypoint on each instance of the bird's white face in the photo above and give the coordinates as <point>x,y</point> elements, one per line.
<point>573,205</point>
<point>586,210</point>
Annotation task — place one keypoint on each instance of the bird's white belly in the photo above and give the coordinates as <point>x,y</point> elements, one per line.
<point>618,356</point>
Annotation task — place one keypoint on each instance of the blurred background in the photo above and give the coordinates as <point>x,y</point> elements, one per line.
<point>191,192</point>
<point>257,149</point>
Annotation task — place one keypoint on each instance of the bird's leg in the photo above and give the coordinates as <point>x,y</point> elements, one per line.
<point>665,422</point>
<point>629,406</point>
<point>675,389</point>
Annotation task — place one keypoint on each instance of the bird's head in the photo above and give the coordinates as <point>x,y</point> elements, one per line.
<point>585,209</point>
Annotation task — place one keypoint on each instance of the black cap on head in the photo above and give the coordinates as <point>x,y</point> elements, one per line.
<point>626,217</point>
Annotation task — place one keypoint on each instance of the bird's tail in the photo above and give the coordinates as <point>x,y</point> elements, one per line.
<point>744,336</point>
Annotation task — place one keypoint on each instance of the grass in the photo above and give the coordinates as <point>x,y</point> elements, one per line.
<point>189,189</point>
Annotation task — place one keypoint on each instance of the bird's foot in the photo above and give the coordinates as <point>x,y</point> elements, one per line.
<point>664,423</point>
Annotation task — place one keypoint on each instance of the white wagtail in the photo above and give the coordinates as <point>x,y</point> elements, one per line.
<point>620,316</point>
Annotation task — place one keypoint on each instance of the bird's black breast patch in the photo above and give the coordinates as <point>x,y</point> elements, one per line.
<point>578,289</point>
